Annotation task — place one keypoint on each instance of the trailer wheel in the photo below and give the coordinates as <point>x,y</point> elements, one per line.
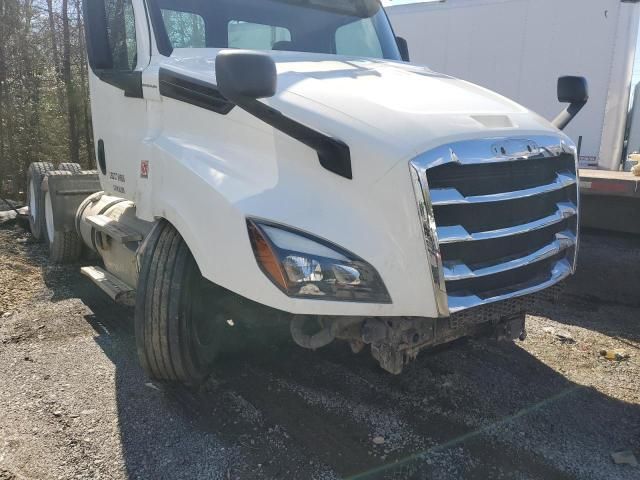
<point>74,168</point>
<point>178,334</point>
<point>64,247</point>
<point>35,198</point>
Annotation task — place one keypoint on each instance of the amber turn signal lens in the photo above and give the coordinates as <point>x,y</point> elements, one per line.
<point>265,255</point>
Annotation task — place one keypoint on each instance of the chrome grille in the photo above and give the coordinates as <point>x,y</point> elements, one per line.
<point>499,217</point>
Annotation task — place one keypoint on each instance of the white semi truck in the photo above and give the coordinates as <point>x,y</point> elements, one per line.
<point>261,156</point>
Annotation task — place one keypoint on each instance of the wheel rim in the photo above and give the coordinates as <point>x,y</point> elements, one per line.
<point>32,201</point>
<point>48,214</point>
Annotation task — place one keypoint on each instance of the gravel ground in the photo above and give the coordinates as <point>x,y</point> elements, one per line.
<point>75,404</point>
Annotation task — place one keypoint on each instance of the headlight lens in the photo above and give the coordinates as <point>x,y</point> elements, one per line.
<point>308,267</point>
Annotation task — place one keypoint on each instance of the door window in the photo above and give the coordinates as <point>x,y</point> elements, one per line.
<point>112,49</point>
<point>121,34</point>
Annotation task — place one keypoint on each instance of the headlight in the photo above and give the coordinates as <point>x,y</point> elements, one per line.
<point>305,266</point>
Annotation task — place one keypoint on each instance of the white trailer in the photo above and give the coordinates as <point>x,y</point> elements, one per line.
<point>520,47</point>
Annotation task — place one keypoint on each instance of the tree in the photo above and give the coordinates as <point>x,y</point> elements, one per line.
<point>44,105</point>
<point>74,143</point>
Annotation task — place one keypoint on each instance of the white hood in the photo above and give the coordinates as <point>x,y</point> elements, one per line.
<point>410,109</point>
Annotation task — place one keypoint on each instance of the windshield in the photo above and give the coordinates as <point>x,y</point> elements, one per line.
<point>342,27</point>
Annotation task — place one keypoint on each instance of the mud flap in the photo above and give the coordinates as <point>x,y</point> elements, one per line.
<point>67,193</point>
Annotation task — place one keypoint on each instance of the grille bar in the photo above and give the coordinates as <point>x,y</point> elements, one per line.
<point>451,196</point>
<point>458,233</point>
<point>561,270</point>
<point>505,211</point>
<point>454,271</point>
<point>500,150</point>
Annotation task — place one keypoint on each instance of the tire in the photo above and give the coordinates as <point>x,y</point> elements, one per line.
<point>74,168</point>
<point>35,198</point>
<point>177,336</point>
<point>64,247</point>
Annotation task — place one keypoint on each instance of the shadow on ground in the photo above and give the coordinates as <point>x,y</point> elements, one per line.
<point>608,271</point>
<point>473,412</point>
<point>607,282</point>
<point>479,410</point>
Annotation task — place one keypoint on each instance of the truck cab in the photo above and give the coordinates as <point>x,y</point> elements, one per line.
<point>286,157</point>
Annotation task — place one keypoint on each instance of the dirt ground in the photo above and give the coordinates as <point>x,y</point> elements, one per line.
<point>75,404</point>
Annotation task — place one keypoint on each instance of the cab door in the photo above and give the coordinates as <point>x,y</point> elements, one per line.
<point>119,51</point>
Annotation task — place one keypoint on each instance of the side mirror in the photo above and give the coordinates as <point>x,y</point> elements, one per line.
<point>575,92</point>
<point>403,47</point>
<point>244,75</point>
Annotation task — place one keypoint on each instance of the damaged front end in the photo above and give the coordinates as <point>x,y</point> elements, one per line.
<point>396,341</point>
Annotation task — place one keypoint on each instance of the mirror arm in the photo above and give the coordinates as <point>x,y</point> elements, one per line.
<point>403,47</point>
<point>567,115</point>
<point>334,154</point>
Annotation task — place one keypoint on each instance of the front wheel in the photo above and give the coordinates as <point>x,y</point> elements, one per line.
<point>179,330</point>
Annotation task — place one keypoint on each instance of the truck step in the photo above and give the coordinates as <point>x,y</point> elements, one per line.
<point>119,291</point>
<point>115,230</point>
